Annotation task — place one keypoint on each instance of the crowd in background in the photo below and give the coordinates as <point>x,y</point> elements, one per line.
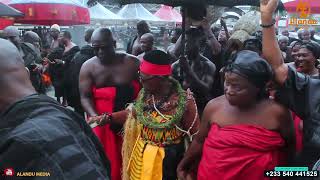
<point>97,81</point>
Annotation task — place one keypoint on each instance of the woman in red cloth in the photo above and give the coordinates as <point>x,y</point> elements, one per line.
<point>243,133</point>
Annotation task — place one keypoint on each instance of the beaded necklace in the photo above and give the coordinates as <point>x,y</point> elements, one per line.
<point>146,118</point>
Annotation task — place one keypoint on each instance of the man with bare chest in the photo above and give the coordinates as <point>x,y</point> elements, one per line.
<point>198,71</point>
<point>134,47</point>
<point>108,83</point>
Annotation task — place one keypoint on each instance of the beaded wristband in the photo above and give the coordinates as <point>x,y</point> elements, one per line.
<point>268,25</point>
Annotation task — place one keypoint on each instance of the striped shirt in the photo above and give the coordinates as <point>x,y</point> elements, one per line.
<point>39,135</point>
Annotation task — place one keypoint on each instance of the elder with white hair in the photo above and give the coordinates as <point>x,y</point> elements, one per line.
<point>54,33</point>
<point>283,42</point>
<point>304,35</point>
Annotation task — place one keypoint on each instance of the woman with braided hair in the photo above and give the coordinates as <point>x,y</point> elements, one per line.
<point>156,125</point>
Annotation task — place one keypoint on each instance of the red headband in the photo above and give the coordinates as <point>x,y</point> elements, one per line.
<point>155,69</point>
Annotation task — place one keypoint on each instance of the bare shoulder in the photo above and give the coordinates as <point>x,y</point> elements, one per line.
<point>131,58</point>
<point>89,63</point>
<point>212,108</point>
<point>215,103</point>
<point>207,62</point>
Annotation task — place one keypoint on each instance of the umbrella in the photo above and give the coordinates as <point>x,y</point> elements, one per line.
<point>4,22</point>
<point>7,11</point>
<point>48,12</point>
<point>169,14</point>
<point>303,5</point>
<point>136,12</point>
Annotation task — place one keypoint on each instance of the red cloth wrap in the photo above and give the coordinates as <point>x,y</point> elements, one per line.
<point>155,69</point>
<point>136,86</point>
<point>111,142</point>
<point>240,152</point>
<point>104,100</point>
<point>298,132</point>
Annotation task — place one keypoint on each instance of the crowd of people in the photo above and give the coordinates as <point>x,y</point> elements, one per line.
<point>236,104</point>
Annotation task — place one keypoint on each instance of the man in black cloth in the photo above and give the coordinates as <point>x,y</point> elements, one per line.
<point>298,92</point>
<point>32,38</point>
<point>198,70</point>
<point>56,70</point>
<point>70,50</point>
<point>38,134</point>
<point>134,46</point>
<point>30,55</point>
<point>85,53</point>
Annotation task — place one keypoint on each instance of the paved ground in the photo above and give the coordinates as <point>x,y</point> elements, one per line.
<point>50,92</point>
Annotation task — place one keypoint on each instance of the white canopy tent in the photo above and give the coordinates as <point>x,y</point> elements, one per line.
<point>100,15</point>
<point>136,12</point>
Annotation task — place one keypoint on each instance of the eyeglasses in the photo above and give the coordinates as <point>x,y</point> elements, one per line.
<point>98,47</point>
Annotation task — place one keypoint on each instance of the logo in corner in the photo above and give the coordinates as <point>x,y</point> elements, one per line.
<point>8,172</point>
<point>304,14</point>
<point>303,8</point>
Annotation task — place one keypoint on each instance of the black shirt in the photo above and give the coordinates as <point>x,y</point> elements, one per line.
<point>39,135</point>
<point>301,94</point>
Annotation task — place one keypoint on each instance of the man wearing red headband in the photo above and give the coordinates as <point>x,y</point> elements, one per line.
<point>157,123</point>
<point>107,84</point>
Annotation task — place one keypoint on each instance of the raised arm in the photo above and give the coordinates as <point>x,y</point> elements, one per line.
<point>224,25</point>
<point>85,85</point>
<point>271,50</point>
<point>213,43</point>
<point>175,51</point>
